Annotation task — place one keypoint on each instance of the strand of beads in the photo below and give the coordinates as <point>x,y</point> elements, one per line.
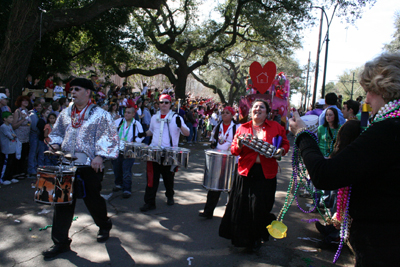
<point>342,198</point>
<point>386,109</point>
<point>344,228</point>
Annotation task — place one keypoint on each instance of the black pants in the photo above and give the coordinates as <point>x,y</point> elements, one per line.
<point>6,163</point>
<point>153,180</point>
<point>63,214</point>
<point>212,202</point>
<point>21,165</point>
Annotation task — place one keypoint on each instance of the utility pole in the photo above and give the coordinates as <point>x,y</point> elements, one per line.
<point>308,72</point>
<point>317,63</point>
<point>352,86</point>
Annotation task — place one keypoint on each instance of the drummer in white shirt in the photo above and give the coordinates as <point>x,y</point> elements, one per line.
<point>165,127</point>
<point>128,131</point>
<point>221,138</point>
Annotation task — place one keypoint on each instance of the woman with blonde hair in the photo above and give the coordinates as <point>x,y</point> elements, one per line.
<point>369,165</point>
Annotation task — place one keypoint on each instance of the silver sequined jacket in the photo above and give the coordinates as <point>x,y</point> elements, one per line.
<point>96,137</point>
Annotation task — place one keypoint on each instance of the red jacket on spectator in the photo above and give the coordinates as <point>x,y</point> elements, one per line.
<point>248,156</point>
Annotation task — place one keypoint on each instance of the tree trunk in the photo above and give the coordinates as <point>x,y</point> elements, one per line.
<point>180,84</point>
<point>22,33</point>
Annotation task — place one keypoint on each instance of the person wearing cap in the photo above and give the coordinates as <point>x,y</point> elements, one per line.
<point>128,130</point>
<point>319,108</point>
<point>3,105</point>
<point>165,127</point>
<point>330,102</point>
<point>86,131</point>
<point>221,138</point>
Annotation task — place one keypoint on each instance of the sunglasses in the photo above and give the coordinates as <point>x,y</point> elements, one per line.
<point>164,102</point>
<point>76,89</point>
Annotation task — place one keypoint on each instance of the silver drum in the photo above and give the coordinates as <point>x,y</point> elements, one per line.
<point>176,156</point>
<point>152,153</point>
<point>134,150</point>
<point>219,170</point>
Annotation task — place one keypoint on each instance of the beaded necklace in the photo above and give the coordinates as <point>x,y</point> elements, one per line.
<point>77,118</point>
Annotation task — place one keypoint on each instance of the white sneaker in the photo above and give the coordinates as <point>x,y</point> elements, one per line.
<point>14,181</point>
<point>5,182</point>
<point>137,174</point>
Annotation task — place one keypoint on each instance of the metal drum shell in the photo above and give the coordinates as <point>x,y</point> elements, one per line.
<point>219,170</point>
<point>176,156</point>
<point>134,150</point>
<point>152,153</point>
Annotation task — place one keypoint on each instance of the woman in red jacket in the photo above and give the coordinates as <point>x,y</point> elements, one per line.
<point>253,192</point>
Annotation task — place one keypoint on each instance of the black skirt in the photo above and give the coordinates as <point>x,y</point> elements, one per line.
<point>248,211</point>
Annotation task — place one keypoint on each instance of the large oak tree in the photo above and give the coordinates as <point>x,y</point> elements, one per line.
<point>27,23</point>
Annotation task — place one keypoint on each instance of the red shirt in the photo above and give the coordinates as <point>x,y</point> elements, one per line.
<point>225,127</point>
<point>248,156</point>
<point>49,84</point>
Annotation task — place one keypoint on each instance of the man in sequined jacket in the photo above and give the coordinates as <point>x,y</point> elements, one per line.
<point>86,131</point>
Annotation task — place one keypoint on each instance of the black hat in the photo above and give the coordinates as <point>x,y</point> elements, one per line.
<point>82,82</point>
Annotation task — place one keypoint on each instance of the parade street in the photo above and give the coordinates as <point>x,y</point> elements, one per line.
<point>167,236</point>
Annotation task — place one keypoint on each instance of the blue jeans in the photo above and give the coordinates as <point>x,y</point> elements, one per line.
<point>33,152</point>
<point>195,134</point>
<point>123,172</point>
<point>190,126</point>
<point>42,147</point>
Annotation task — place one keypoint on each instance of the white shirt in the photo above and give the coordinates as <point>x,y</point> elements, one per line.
<point>144,90</point>
<point>228,137</point>
<point>155,127</point>
<point>214,119</point>
<point>128,132</point>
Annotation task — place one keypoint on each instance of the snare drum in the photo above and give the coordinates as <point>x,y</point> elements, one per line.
<point>134,150</point>
<point>152,153</point>
<point>55,186</point>
<point>219,170</point>
<point>176,156</point>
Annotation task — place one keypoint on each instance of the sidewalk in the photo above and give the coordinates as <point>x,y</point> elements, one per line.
<point>168,236</point>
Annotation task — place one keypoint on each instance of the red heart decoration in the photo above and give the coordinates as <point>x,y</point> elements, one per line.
<point>262,77</point>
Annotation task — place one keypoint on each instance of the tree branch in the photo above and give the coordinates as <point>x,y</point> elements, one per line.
<point>213,87</point>
<point>60,18</point>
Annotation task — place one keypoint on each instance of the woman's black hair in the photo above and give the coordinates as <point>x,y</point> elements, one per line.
<point>265,103</point>
<point>111,106</point>
<point>51,114</point>
<point>335,121</point>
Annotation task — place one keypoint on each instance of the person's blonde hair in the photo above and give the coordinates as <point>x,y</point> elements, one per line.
<point>381,76</point>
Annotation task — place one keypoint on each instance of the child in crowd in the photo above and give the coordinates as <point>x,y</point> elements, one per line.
<point>8,140</point>
<point>51,120</point>
<point>58,90</point>
<point>42,146</point>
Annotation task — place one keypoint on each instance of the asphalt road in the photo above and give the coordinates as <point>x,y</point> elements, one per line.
<point>168,236</point>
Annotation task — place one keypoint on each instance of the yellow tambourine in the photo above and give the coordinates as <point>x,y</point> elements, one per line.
<point>277,229</point>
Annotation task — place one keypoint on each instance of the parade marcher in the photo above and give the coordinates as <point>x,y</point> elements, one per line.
<point>34,116</point>
<point>87,131</point>
<point>253,191</point>
<point>221,138</point>
<point>165,127</point>
<point>369,165</point>
<point>128,130</point>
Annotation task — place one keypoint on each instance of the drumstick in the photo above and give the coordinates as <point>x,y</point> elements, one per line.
<point>47,143</point>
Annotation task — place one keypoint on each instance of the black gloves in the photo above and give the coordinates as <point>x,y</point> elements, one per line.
<point>140,135</point>
<point>178,121</point>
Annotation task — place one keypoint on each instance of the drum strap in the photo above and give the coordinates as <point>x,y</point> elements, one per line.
<point>215,138</point>
<point>133,129</point>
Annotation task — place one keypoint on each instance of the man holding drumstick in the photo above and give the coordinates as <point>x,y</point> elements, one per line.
<point>86,131</point>
<point>165,127</point>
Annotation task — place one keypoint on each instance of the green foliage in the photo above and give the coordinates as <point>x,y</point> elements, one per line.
<point>345,83</point>
<point>394,45</point>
